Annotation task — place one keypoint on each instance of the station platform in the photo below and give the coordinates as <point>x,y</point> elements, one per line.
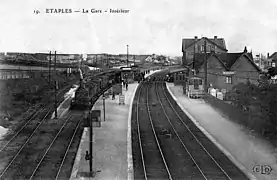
<point>112,151</point>
<point>242,148</point>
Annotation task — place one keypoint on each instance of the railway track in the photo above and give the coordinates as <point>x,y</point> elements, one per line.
<point>42,113</point>
<point>43,148</point>
<point>47,159</point>
<point>51,165</point>
<point>225,168</point>
<point>153,164</point>
<point>13,149</point>
<point>178,147</point>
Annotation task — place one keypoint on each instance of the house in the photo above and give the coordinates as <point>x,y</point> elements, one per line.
<point>273,59</point>
<point>226,70</point>
<point>148,59</point>
<point>140,58</point>
<point>196,45</point>
<point>263,62</point>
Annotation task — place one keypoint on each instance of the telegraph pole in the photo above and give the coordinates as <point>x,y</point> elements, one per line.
<point>206,67</point>
<point>90,144</point>
<point>127,54</point>
<point>109,60</point>
<point>49,75</point>
<point>193,63</point>
<point>55,86</point>
<point>101,59</point>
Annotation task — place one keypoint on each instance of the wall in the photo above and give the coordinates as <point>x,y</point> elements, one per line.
<point>190,51</point>
<point>22,74</point>
<point>215,74</point>
<point>244,69</point>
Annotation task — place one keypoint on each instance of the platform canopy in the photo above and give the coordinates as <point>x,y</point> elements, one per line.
<point>178,70</point>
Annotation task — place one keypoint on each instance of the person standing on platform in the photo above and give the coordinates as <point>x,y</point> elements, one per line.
<point>123,83</point>
<point>113,97</point>
<point>126,86</point>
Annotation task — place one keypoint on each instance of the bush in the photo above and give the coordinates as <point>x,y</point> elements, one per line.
<point>253,106</point>
<point>261,101</point>
<point>28,92</point>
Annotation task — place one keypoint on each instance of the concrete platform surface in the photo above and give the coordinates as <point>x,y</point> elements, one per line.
<point>242,147</point>
<point>110,141</point>
<point>112,147</point>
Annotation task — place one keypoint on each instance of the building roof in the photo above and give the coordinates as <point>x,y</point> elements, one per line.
<point>273,56</point>
<point>227,59</point>
<point>200,59</point>
<point>178,70</point>
<point>141,57</point>
<point>231,58</point>
<point>219,42</point>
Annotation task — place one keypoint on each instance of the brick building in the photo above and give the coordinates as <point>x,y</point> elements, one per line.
<point>196,45</point>
<point>225,70</point>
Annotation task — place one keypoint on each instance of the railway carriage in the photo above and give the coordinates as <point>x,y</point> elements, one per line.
<point>127,74</point>
<point>177,75</point>
<point>92,86</point>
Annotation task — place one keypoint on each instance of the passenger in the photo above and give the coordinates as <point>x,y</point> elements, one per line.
<point>126,86</point>
<point>113,97</point>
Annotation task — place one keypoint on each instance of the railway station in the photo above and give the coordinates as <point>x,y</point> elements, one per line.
<point>136,91</point>
<point>121,131</point>
<point>113,157</point>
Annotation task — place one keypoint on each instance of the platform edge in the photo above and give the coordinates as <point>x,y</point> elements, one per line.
<point>227,153</point>
<point>77,160</point>
<point>129,139</point>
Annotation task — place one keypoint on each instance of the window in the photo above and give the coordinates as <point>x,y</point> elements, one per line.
<point>209,48</point>
<point>212,48</point>
<point>228,79</point>
<point>202,48</point>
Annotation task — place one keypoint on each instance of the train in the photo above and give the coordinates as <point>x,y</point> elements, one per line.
<point>92,86</point>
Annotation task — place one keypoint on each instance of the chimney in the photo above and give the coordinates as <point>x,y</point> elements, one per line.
<point>215,37</point>
<point>195,37</point>
<point>267,55</point>
<point>245,50</point>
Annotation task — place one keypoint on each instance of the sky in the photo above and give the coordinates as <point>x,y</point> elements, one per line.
<point>151,26</point>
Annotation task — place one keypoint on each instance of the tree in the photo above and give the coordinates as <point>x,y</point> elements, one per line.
<point>272,71</point>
